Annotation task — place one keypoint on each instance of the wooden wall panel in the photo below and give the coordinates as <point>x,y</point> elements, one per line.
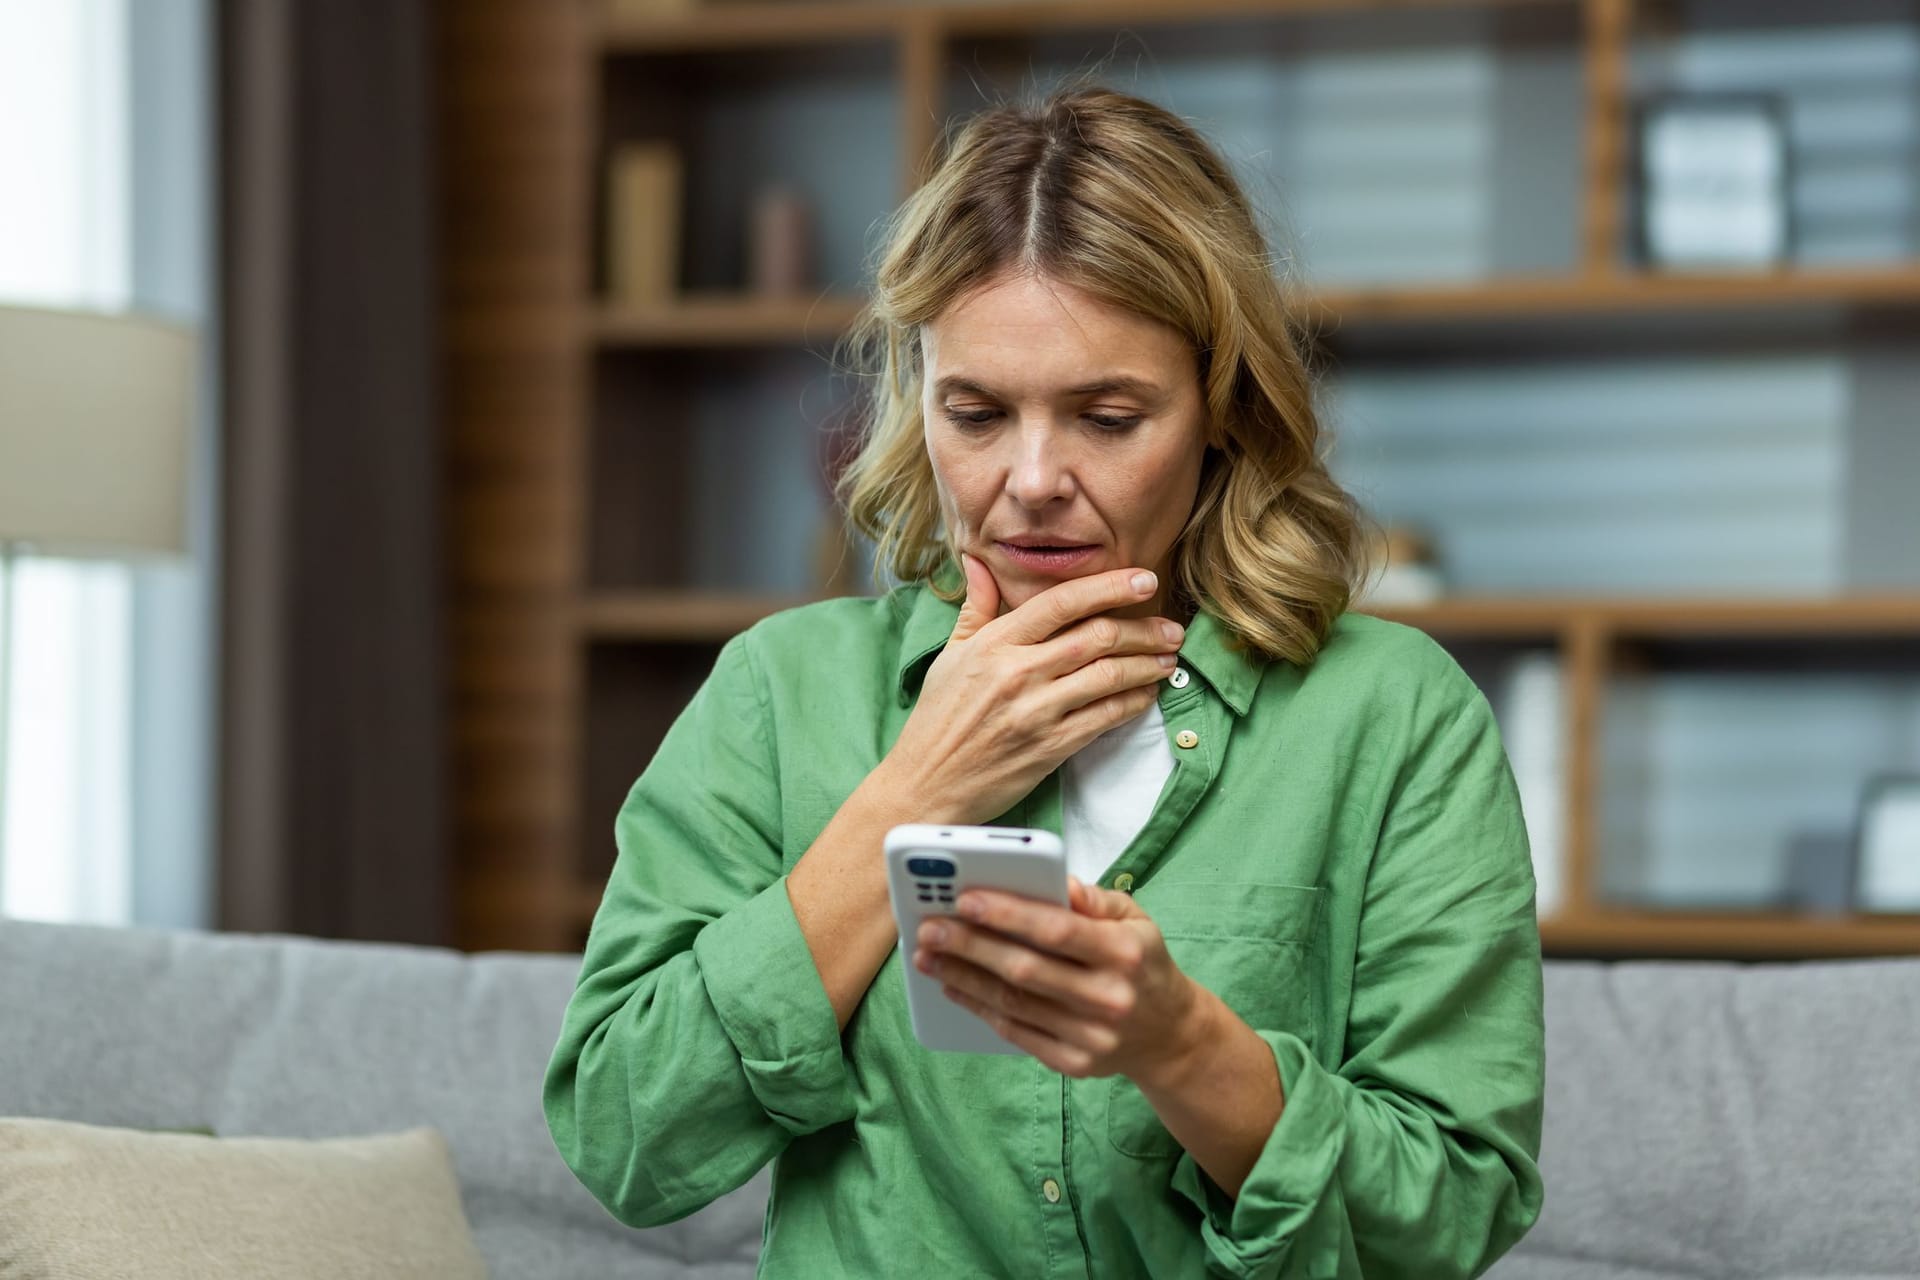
<point>514,110</point>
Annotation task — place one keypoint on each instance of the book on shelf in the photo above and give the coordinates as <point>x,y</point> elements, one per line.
<point>645,181</point>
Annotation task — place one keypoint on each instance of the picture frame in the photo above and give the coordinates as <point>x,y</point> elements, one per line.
<point>1886,862</point>
<point>1714,177</point>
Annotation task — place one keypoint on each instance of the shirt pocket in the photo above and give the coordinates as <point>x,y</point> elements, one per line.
<point>1254,946</point>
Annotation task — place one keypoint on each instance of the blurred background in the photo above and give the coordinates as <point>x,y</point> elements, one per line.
<point>470,366</point>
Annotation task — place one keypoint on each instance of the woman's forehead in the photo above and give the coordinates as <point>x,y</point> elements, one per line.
<point>1028,335</point>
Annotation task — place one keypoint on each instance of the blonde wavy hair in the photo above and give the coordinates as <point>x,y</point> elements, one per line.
<point>1120,198</point>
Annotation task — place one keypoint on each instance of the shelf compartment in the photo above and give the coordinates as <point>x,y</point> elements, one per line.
<point>1843,76</point>
<point>1375,148</point>
<point>1733,766</point>
<point>744,119</point>
<point>709,471</point>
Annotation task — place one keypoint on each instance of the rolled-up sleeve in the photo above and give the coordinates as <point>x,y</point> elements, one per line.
<point>767,994</point>
<point>699,1039</point>
<point>1418,1155</point>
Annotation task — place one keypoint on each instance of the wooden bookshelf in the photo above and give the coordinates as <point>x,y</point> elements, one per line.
<point>547,640</point>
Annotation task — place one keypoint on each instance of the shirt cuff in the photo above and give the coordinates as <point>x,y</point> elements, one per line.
<point>1254,1235</point>
<point>767,993</point>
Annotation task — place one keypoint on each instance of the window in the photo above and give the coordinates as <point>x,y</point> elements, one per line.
<point>106,706</point>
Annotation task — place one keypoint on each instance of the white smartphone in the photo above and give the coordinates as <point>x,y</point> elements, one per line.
<point>928,868</point>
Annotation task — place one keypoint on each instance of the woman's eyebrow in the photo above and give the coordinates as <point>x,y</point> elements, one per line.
<point>1121,383</point>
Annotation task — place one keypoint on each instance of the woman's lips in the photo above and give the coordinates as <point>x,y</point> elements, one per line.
<point>1056,560</point>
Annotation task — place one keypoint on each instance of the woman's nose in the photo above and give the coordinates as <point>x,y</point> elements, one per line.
<point>1039,472</point>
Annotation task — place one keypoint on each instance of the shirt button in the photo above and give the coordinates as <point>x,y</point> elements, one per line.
<point>1187,738</point>
<point>1179,678</point>
<point>1124,882</point>
<point>1051,1190</point>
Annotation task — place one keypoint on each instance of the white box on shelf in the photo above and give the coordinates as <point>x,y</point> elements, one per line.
<point>1534,731</point>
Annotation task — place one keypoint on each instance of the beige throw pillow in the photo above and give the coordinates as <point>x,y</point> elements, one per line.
<point>83,1202</point>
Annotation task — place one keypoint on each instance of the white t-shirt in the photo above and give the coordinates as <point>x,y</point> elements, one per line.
<point>1108,789</point>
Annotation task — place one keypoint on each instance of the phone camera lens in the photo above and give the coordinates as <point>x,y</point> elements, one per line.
<point>931,868</point>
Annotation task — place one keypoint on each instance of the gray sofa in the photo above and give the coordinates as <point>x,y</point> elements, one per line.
<point>1702,1120</point>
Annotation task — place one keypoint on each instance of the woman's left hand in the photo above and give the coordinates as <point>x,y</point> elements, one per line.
<point>1089,991</point>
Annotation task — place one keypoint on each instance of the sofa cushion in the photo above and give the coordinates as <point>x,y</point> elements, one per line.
<point>269,1035</point>
<point>86,1200</point>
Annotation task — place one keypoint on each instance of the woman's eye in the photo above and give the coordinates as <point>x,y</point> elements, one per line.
<point>981,417</point>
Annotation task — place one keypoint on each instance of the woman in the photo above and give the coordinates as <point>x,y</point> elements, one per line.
<point>1291,1024</point>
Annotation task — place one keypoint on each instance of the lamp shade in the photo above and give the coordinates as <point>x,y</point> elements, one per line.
<point>96,413</point>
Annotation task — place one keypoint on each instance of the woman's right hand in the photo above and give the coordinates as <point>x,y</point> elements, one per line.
<point>1010,698</point>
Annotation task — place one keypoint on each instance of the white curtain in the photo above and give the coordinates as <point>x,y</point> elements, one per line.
<point>65,241</point>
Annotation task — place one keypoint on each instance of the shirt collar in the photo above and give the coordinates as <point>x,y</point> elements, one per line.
<point>1208,650</point>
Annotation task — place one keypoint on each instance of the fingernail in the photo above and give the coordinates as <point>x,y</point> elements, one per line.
<point>933,932</point>
<point>1144,582</point>
<point>1166,659</point>
<point>1173,631</point>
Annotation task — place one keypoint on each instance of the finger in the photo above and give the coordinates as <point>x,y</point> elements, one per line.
<point>1066,603</point>
<point>1023,1003</point>
<point>1107,904</point>
<point>1078,728</point>
<point>1036,929</point>
<point>1012,1008</point>
<point>1047,1048</point>
<point>1034,974</point>
<point>982,604</point>
<point>1103,678</point>
<point>1101,637</point>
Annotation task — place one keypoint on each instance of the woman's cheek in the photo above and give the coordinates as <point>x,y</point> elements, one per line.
<point>943,495</point>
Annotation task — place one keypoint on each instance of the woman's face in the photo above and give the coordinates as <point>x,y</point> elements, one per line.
<point>1066,434</point>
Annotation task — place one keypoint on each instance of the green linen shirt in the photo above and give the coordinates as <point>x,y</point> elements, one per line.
<point>1341,858</point>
